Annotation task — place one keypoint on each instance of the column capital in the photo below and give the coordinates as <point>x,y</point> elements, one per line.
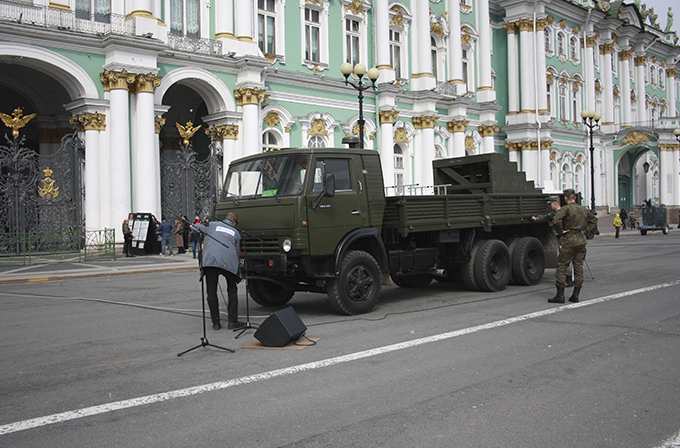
<point>146,83</point>
<point>458,125</point>
<point>669,147</point>
<point>159,122</point>
<point>542,23</point>
<point>113,80</point>
<point>487,130</point>
<point>606,49</point>
<point>90,121</point>
<point>641,60</point>
<point>388,116</point>
<point>510,27</point>
<point>249,96</point>
<point>671,72</point>
<point>227,132</point>
<point>525,25</point>
<point>625,55</point>
<point>591,40</point>
<point>425,121</point>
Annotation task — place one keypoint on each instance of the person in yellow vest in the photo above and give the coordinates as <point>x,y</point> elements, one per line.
<point>617,224</point>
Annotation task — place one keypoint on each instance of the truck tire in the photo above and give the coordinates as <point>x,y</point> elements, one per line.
<point>357,288</point>
<point>511,243</point>
<point>492,267</point>
<point>665,229</point>
<point>528,261</point>
<point>417,281</point>
<point>268,294</point>
<point>467,270</point>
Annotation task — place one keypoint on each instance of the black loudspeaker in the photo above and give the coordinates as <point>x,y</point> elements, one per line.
<point>281,328</point>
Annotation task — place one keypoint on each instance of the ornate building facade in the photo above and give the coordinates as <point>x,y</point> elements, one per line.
<point>457,77</point>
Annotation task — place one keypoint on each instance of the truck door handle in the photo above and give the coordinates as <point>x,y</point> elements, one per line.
<point>356,212</point>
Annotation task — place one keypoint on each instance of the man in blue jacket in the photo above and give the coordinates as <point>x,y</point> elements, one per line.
<point>165,231</point>
<point>220,256</point>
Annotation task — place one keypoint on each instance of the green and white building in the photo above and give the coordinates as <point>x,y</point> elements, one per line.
<point>457,77</point>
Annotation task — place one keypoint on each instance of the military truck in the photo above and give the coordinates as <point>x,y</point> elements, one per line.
<point>319,220</point>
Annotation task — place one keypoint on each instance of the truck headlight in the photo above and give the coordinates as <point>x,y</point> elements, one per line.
<point>287,245</point>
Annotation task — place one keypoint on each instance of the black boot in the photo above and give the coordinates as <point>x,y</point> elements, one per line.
<point>570,282</point>
<point>574,295</point>
<point>559,297</point>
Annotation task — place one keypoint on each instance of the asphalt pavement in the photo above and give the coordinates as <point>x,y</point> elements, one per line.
<point>155,263</point>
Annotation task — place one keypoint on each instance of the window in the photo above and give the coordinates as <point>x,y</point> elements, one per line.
<point>549,92</point>
<point>566,176</point>
<point>398,158</point>
<point>547,40</point>
<point>266,23</point>
<point>466,67</point>
<point>340,170</point>
<point>316,141</point>
<point>652,75</point>
<point>395,52</point>
<point>578,178</point>
<point>560,45</point>
<point>185,17</point>
<point>563,102</point>
<point>398,169</point>
<point>312,33</point>
<point>661,78</point>
<point>101,8</point>
<point>433,56</point>
<point>352,34</point>
<point>573,46</point>
<point>574,105</point>
<point>269,141</point>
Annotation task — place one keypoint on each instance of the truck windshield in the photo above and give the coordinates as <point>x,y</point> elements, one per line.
<point>268,176</point>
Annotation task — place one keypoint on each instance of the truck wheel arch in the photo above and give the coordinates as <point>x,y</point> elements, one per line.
<point>368,239</point>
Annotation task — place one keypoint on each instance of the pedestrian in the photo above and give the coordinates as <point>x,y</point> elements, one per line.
<point>151,241</point>
<point>185,233</point>
<point>572,221</point>
<point>165,231</point>
<point>555,205</point>
<point>196,240</point>
<point>179,236</point>
<point>127,237</point>
<point>617,224</point>
<point>221,251</point>
<point>624,218</point>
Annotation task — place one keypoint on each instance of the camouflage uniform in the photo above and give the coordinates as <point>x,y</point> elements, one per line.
<point>572,222</point>
<point>549,217</point>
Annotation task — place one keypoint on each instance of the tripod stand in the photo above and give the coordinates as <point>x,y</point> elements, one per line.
<point>204,339</point>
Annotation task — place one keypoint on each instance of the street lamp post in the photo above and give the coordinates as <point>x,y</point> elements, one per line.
<point>359,71</point>
<point>592,120</point>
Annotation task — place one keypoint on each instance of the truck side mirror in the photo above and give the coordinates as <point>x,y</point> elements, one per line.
<point>329,184</point>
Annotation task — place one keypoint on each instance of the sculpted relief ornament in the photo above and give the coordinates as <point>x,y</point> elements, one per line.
<point>16,121</point>
<point>635,138</point>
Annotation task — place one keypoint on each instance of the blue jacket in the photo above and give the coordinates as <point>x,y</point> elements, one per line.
<point>165,229</point>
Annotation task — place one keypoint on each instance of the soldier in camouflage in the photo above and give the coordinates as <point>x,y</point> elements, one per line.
<point>555,205</point>
<point>572,222</point>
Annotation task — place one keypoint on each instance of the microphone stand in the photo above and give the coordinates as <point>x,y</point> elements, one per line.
<point>246,234</point>
<point>204,339</point>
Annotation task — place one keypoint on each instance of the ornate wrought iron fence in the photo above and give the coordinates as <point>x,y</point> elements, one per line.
<point>100,244</point>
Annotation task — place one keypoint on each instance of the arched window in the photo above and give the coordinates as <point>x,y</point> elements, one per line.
<point>398,169</point>
<point>560,45</point>
<point>547,40</point>
<point>269,141</point>
<point>662,75</point>
<point>573,46</point>
<point>316,141</point>
<point>566,176</point>
<point>578,178</point>
<point>433,55</point>
<point>395,53</point>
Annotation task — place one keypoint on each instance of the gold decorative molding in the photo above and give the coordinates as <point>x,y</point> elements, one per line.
<point>227,132</point>
<point>117,80</point>
<point>90,121</point>
<point>510,27</point>
<point>400,135</point>
<point>224,35</point>
<point>525,25</point>
<point>318,128</point>
<point>575,31</point>
<point>487,130</point>
<point>16,121</point>
<point>287,129</point>
<point>635,138</point>
<point>272,119</point>
<point>425,121</point>
<point>398,18</point>
<point>591,41</point>
<point>485,89</point>
<point>546,144</point>
<point>59,6</point>
<point>563,24</point>
<point>159,122</point>
<point>249,96</point>
<point>669,147</point>
<point>542,23</point>
<point>146,83</point>
<point>458,125</point>
<point>625,55</point>
<point>455,81</point>
<point>606,49</point>
<point>438,29</point>
<point>512,147</point>
<point>641,60</point>
<point>616,92</point>
<point>671,72</point>
<point>49,190</point>
<point>356,8</point>
<point>633,96</point>
<point>470,142</point>
<point>598,86</point>
<point>421,75</point>
<point>187,131</point>
<point>388,116</point>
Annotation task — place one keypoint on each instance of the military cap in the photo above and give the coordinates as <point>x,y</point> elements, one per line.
<point>552,199</point>
<point>570,192</point>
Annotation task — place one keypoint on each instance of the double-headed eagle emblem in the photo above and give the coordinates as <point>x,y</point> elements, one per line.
<point>16,121</point>
<point>187,131</point>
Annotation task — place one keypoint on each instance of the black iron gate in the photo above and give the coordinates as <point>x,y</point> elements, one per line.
<point>188,186</point>
<point>42,196</point>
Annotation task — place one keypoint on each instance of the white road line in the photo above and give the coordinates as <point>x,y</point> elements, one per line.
<point>156,398</point>
<point>673,442</point>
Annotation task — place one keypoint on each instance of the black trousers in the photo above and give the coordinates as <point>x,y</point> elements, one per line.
<point>127,245</point>
<point>212,277</point>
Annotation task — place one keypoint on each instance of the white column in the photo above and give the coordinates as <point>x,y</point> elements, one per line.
<point>675,159</point>
<point>485,92</point>
<point>422,63</point>
<point>455,48</point>
<point>590,73</point>
<point>541,69</point>
<point>424,150</point>
<point>93,213</point>
<point>608,85</point>
<point>530,159</point>
<point>382,41</point>
<point>665,183</point>
<point>147,159</point>
<point>387,145</point>
<point>224,19</point>
<point>624,76</point>
<point>119,162</point>
<point>249,99</point>
<point>671,88</point>
<point>641,112</point>
<point>457,140</point>
<point>158,124</point>
<point>527,66</point>
<point>244,20</point>
<point>513,69</point>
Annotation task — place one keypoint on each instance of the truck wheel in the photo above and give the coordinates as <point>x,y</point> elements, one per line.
<point>268,293</point>
<point>467,270</point>
<point>528,261</point>
<point>511,243</point>
<point>492,266</point>
<point>665,230</point>
<point>357,288</point>
<point>417,281</point>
